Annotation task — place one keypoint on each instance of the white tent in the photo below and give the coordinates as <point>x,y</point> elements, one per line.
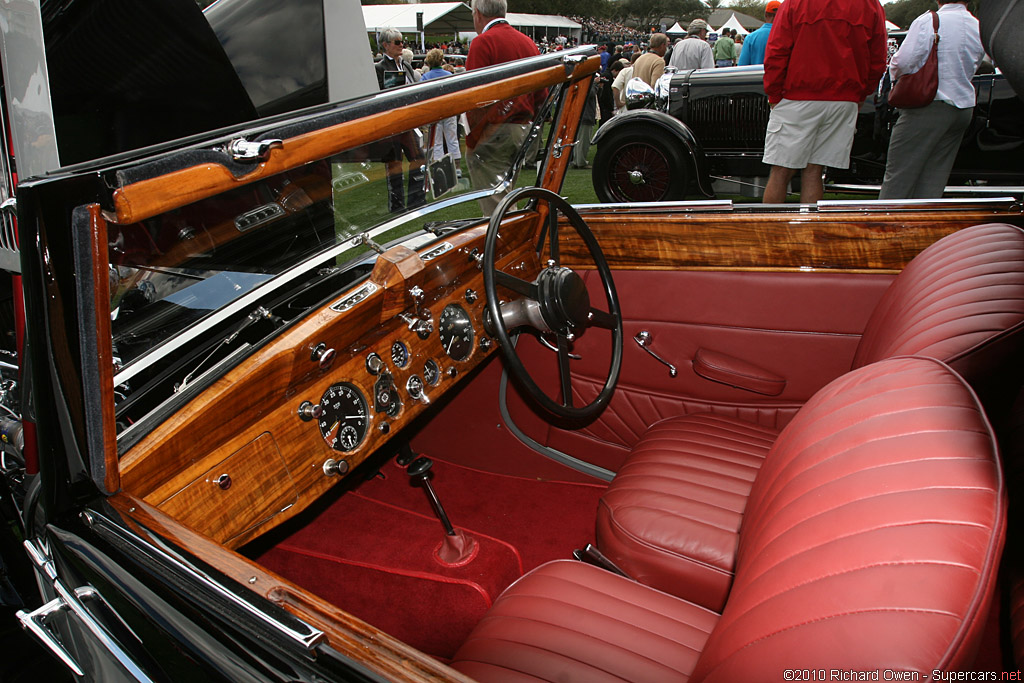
<point>676,30</point>
<point>889,26</point>
<point>439,18</point>
<point>546,25</point>
<point>734,23</point>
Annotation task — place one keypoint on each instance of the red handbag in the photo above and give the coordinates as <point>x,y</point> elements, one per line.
<point>918,89</point>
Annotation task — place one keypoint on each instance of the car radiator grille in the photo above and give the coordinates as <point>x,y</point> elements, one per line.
<point>730,122</point>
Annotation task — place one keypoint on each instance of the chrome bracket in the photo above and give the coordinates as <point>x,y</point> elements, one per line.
<point>245,151</point>
<point>71,602</point>
<point>571,61</point>
<point>556,151</point>
<point>364,238</point>
<point>643,340</point>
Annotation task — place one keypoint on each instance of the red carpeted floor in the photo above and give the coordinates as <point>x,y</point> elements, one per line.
<point>372,551</point>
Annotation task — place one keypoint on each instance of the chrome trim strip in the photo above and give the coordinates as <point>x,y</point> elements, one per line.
<point>677,206</point>
<point>308,637</point>
<point>983,190</point>
<point>830,205</point>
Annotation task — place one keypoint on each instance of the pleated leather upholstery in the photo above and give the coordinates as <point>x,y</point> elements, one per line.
<point>672,515</point>
<point>871,541</point>
<point>961,300</point>
<point>873,532</point>
<point>954,299</point>
<point>569,621</point>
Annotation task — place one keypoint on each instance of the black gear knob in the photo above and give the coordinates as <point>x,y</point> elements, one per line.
<point>420,467</point>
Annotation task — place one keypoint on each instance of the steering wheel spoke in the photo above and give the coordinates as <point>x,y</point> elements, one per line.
<point>564,373</point>
<point>559,301</point>
<point>602,319</point>
<point>517,285</point>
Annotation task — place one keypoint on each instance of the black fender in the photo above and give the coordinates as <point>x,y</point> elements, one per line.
<point>644,118</point>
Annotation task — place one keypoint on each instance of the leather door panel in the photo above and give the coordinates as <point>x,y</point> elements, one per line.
<point>801,326</point>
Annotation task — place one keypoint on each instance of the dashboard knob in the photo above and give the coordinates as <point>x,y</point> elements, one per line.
<point>333,468</point>
<point>310,411</point>
<point>471,296</point>
<point>323,356</point>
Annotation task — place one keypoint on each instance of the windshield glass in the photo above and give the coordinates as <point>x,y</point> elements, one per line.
<point>177,273</point>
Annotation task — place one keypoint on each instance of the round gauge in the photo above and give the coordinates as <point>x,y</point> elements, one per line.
<point>431,373</point>
<point>399,354</point>
<point>456,332</point>
<point>344,417</point>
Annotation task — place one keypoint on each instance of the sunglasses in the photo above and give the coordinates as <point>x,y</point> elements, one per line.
<point>398,42</point>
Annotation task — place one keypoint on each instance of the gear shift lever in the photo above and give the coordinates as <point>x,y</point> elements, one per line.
<point>420,469</point>
<point>457,548</point>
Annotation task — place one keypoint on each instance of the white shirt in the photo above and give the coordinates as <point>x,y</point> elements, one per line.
<point>960,53</point>
<point>620,84</point>
<point>692,53</point>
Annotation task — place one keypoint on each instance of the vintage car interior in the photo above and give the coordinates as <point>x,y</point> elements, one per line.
<point>673,441</point>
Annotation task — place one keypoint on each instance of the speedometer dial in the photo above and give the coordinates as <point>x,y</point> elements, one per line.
<point>456,332</point>
<point>344,417</point>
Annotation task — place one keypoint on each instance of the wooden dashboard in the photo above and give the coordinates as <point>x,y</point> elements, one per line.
<point>292,420</point>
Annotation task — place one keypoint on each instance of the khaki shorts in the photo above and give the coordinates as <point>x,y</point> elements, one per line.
<point>802,132</point>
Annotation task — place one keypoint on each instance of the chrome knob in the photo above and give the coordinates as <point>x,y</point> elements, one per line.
<point>335,468</point>
<point>310,411</point>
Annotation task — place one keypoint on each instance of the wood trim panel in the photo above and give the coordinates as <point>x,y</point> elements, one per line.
<point>105,352</point>
<point>769,241</point>
<point>149,198</point>
<point>262,395</point>
<point>375,649</point>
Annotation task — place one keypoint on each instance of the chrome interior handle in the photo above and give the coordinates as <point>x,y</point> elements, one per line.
<point>643,340</point>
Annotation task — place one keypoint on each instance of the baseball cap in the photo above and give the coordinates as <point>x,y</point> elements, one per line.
<point>773,6</point>
<point>698,25</point>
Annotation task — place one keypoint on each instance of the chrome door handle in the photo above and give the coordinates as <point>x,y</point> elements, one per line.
<point>643,340</point>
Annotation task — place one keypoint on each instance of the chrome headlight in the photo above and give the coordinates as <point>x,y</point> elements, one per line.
<point>638,94</point>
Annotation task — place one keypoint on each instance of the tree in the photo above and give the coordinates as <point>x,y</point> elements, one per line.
<point>903,12</point>
<point>752,8</point>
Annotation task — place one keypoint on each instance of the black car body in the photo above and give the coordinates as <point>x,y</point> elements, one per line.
<point>709,124</point>
<point>228,343</point>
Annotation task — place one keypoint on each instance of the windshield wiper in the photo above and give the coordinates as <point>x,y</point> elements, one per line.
<point>260,313</point>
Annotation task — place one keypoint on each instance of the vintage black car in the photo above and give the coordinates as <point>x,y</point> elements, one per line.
<point>259,423</point>
<point>704,131</point>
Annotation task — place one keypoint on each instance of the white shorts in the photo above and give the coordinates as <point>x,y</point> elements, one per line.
<point>802,132</point>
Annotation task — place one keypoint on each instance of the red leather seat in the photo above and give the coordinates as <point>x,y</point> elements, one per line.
<point>671,515</point>
<point>871,540</point>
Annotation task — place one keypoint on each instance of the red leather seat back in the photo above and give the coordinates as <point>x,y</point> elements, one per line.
<point>872,535</point>
<point>954,302</point>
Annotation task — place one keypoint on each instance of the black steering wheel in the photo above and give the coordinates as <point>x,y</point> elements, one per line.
<point>557,302</point>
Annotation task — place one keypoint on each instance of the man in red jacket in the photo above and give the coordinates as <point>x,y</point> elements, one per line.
<point>497,133</point>
<point>823,58</point>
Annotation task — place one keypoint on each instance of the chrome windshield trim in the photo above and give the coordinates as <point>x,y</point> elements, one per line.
<point>676,206</point>
<point>249,299</point>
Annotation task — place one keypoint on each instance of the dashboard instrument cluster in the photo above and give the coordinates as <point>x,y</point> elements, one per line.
<point>317,401</point>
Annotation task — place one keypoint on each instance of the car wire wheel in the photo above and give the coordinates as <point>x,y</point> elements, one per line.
<point>639,168</point>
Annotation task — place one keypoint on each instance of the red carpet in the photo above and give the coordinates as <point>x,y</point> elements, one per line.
<point>544,520</point>
<point>372,551</point>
